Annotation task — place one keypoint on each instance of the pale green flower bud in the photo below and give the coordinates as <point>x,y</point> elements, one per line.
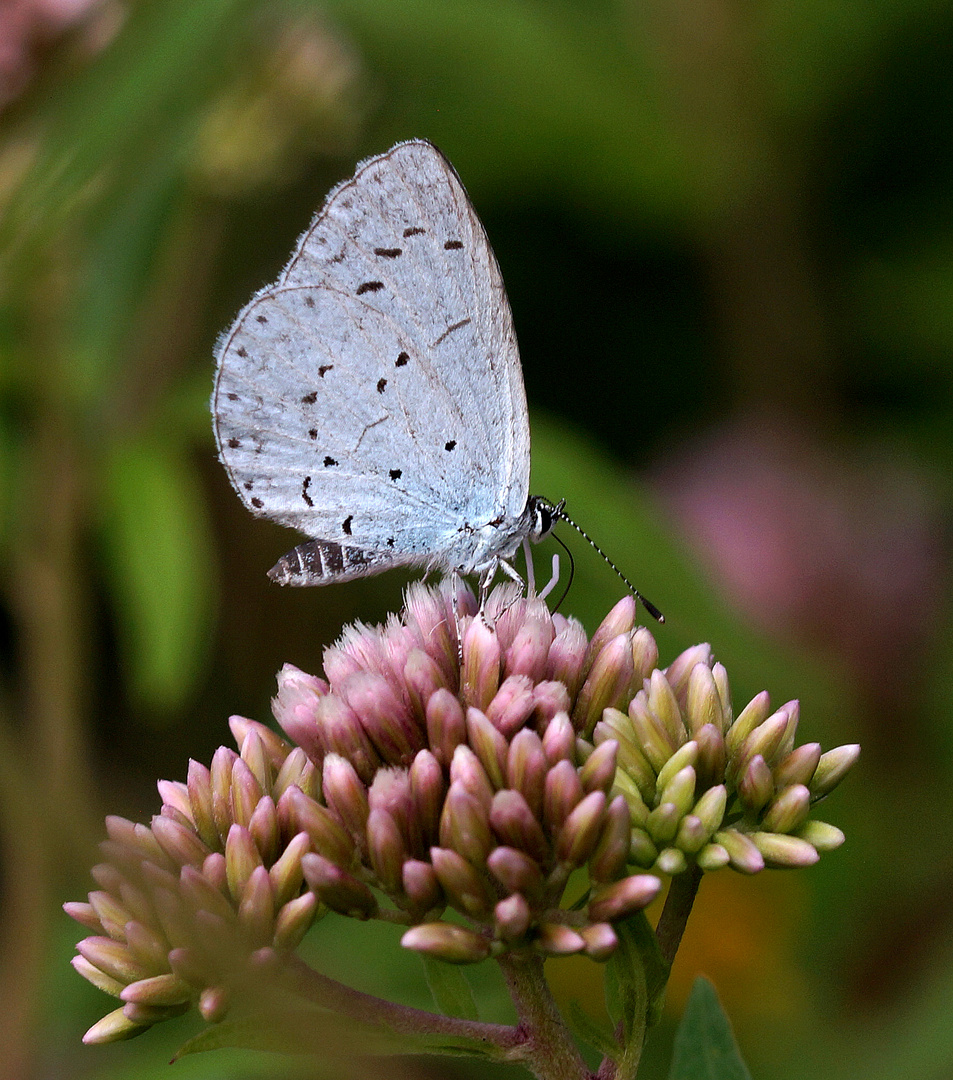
<point>526,769</point>
<point>446,726</point>
<point>787,852</point>
<point>713,857</point>
<point>753,714</point>
<point>742,852</point>
<point>488,745</point>
<point>580,832</point>
<point>671,861</point>
<point>684,756</point>
<point>665,711</point>
<point>624,897</point>
<point>832,768</point>
<point>555,939</point>
<point>642,851</point>
<point>788,811</point>
<point>652,737</point>
<point>601,941</point>
<point>516,826</point>
<point>512,918</point>
<point>336,888</point>
<point>448,942</point>
<point>465,825</point>
<point>662,823</point>
<point>598,773</point>
<point>516,871</point>
<point>467,890</point>
<point>482,657</point>
<point>609,678</point>
<point>703,702</point>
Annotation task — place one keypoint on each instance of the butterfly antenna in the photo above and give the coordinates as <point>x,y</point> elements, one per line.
<point>559,512</point>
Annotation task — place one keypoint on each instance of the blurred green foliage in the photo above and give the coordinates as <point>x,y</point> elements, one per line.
<point>703,213</point>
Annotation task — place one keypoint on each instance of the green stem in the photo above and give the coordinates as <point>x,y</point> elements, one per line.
<point>678,906</point>
<point>549,1050</point>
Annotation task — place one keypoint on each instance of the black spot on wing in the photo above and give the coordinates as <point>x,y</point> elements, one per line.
<point>261,318</point>
<point>388,253</point>
<point>414,230</point>
<point>346,524</point>
<point>310,399</point>
<point>306,483</point>
<point>324,369</point>
<point>257,503</point>
<point>312,433</point>
<point>381,383</point>
<point>329,461</point>
<point>369,286</point>
<point>401,360</point>
<point>396,474</point>
<point>450,445</point>
<point>309,300</point>
<point>453,245</point>
<point>234,443</point>
<point>242,351</point>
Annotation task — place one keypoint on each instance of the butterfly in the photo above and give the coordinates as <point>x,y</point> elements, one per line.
<point>372,397</point>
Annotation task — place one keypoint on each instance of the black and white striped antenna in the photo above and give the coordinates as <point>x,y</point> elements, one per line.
<point>558,512</point>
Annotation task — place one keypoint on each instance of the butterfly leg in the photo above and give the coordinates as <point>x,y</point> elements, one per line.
<point>530,572</point>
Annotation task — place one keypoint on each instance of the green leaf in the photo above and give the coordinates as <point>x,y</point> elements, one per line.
<point>705,1047</point>
<point>159,567</point>
<point>450,988</point>
<point>596,1035</point>
<point>141,96</point>
<point>636,975</point>
<point>124,251</point>
<point>327,1036</point>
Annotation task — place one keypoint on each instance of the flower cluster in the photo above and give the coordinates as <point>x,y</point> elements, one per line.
<point>184,904</point>
<point>453,773</point>
<point>713,790</point>
<point>452,765</point>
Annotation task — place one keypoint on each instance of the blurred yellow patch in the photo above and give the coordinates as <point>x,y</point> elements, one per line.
<point>741,935</point>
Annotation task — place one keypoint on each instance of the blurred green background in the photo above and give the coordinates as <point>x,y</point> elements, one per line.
<point>727,235</point>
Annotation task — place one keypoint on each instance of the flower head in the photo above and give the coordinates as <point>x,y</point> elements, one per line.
<point>709,788</point>
<point>492,779</point>
<point>184,904</point>
<point>450,749</point>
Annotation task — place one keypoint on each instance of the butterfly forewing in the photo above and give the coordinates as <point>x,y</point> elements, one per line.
<point>373,396</point>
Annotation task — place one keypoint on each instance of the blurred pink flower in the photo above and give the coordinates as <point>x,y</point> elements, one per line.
<point>844,549</point>
<point>28,27</point>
